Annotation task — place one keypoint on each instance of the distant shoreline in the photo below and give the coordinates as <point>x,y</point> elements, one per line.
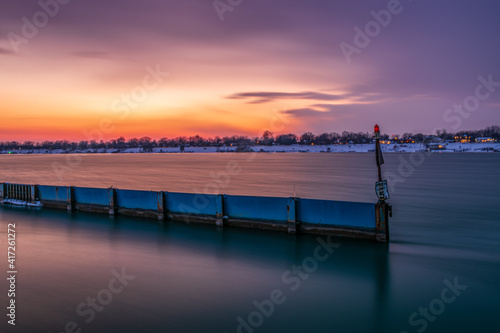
<point>352,148</point>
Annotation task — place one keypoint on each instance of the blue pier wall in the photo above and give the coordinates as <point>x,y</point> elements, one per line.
<point>292,214</point>
<point>131,199</point>
<point>191,203</point>
<point>256,208</point>
<point>89,196</point>
<point>339,213</point>
<point>53,193</point>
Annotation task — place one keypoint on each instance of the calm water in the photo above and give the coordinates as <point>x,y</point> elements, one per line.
<point>191,278</point>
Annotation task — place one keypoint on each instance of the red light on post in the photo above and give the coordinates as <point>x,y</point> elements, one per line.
<point>377,132</point>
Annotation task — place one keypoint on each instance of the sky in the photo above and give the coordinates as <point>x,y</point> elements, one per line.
<point>84,70</point>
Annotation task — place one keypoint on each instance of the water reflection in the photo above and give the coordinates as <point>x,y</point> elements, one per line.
<point>193,278</point>
<point>185,272</point>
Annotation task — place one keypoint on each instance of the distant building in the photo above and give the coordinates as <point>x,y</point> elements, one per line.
<point>436,146</point>
<point>485,140</point>
<point>463,138</point>
<point>406,140</point>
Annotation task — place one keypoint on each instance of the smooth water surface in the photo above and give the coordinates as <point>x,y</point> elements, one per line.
<point>195,278</point>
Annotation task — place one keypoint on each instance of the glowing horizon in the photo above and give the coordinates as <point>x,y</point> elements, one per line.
<point>234,77</point>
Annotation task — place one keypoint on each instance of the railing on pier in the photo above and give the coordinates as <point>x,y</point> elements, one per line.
<point>26,193</point>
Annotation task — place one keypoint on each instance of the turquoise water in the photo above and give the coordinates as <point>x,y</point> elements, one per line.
<point>196,278</point>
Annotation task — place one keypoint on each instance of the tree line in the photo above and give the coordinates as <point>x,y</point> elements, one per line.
<point>267,138</point>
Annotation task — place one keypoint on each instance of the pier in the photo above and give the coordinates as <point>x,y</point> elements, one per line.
<point>292,215</point>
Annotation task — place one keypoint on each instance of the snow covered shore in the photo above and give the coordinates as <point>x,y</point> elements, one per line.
<point>351,148</point>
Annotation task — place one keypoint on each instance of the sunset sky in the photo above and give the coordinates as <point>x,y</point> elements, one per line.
<point>244,68</point>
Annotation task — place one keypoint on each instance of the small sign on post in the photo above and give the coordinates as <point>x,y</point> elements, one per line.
<point>382,190</point>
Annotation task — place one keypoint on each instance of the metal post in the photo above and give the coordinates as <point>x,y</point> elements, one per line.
<point>33,190</point>
<point>382,209</point>
<point>219,214</point>
<point>70,198</point>
<point>382,222</point>
<point>112,200</point>
<point>378,152</point>
<point>160,202</point>
<point>291,210</point>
